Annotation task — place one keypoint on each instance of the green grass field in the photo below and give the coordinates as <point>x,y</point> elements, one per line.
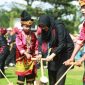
<point>74,76</point>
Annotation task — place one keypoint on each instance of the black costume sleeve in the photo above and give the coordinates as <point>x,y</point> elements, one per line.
<point>61,34</point>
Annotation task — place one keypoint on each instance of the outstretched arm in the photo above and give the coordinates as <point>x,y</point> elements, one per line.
<point>78,46</point>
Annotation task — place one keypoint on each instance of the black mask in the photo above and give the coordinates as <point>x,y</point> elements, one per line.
<point>46,35</point>
<point>26,31</point>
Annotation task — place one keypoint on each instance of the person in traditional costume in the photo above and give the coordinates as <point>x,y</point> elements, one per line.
<point>26,48</point>
<point>4,50</point>
<point>57,38</point>
<point>80,42</point>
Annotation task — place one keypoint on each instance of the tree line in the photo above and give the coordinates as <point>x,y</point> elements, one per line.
<point>63,10</point>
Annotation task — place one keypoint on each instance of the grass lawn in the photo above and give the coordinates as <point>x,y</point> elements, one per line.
<point>74,76</point>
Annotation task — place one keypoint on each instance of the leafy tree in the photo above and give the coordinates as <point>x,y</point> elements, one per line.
<point>4,19</point>
<point>7,17</point>
<point>63,9</point>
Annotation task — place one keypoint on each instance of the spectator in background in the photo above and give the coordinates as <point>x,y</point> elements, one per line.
<point>75,38</point>
<point>10,61</point>
<point>4,50</point>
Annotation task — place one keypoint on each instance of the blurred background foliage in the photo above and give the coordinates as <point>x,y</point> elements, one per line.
<point>63,10</point>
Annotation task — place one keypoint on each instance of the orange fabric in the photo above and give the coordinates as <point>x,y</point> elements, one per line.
<point>82,2</point>
<point>27,22</point>
<point>25,67</point>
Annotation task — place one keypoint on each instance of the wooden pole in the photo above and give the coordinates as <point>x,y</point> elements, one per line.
<point>42,70</point>
<point>6,78</point>
<point>64,74</point>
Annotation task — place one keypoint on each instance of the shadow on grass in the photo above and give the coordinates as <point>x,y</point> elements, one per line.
<point>9,73</point>
<point>11,76</point>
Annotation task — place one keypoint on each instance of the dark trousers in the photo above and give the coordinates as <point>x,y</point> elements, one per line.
<point>44,55</point>
<point>55,75</point>
<point>11,57</point>
<point>29,79</point>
